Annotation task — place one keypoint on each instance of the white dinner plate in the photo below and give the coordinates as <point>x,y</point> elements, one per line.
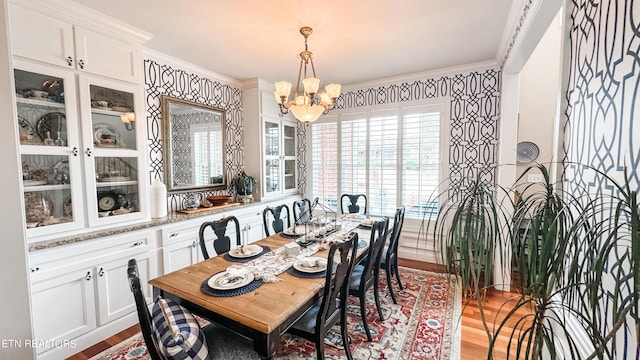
<point>367,223</point>
<point>226,281</point>
<point>310,264</point>
<point>290,231</point>
<point>245,251</point>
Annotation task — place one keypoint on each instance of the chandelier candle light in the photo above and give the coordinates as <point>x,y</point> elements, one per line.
<point>310,105</point>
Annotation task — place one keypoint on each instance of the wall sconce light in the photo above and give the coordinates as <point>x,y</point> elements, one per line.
<point>128,119</point>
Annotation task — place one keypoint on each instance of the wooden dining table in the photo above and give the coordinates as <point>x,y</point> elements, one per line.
<point>262,315</point>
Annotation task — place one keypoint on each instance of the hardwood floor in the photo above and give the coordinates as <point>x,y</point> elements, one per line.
<point>474,343</point>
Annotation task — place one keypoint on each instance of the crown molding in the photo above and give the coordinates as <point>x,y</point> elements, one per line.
<point>187,66</point>
<point>454,70</point>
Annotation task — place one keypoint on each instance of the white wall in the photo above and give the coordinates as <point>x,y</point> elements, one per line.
<point>539,94</point>
<point>15,313</point>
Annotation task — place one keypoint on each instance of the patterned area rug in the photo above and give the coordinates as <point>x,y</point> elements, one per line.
<point>425,324</point>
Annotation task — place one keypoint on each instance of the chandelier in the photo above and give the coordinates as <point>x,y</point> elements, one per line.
<point>309,105</point>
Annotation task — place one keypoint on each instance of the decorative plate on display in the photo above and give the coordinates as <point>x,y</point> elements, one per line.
<point>26,129</point>
<point>226,281</point>
<point>105,135</point>
<point>67,209</point>
<point>59,172</point>
<point>50,124</point>
<point>526,152</point>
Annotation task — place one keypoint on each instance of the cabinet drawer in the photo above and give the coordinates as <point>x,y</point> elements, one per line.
<point>46,264</point>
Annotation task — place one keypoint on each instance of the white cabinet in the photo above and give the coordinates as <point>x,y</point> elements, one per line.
<point>113,293</point>
<point>274,136</point>
<point>180,247</point>
<point>82,168</point>
<point>75,289</point>
<point>36,35</point>
<point>63,306</point>
<point>251,225</point>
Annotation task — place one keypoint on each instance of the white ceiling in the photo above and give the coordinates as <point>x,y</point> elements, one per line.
<point>353,40</point>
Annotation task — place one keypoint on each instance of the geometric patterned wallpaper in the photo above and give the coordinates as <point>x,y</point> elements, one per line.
<point>603,113</point>
<point>474,100</point>
<point>162,79</point>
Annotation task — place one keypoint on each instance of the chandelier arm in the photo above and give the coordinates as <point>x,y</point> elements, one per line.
<point>313,68</point>
<point>298,82</point>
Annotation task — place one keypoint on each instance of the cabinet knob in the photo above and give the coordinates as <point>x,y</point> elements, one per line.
<point>88,277</point>
<point>101,272</point>
<point>194,244</point>
<point>34,269</point>
<point>74,151</point>
<point>88,152</point>
<point>138,243</point>
<point>69,61</point>
<point>249,227</point>
<point>174,234</point>
<point>81,63</point>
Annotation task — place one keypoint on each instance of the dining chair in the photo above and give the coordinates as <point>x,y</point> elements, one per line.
<point>332,307</point>
<point>210,342</point>
<point>352,205</point>
<point>301,211</point>
<point>389,257</point>
<point>365,274</point>
<point>279,214</point>
<point>222,242</point>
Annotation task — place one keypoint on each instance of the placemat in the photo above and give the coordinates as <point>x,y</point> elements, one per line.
<point>287,236</point>
<point>205,288</point>
<point>297,273</point>
<point>301,274</point>
<point>265,249</point>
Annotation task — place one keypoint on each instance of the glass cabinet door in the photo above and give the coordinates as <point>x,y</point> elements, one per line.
<point>49,145</point>
<point>272,157</point>
<point>112,160</point>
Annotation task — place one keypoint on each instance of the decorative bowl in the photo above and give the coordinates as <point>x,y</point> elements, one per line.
<point>217,200</point>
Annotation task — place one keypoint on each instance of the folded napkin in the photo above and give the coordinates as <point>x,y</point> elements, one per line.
<point>340,237</point>
<point>368,222</point>
<point>237,270</point>
<point>310,262</point>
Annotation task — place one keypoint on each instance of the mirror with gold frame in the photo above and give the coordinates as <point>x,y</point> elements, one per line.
<point>193,145</point>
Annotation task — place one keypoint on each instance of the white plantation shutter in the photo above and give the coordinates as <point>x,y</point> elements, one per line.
<point>420,163</point>
<point>383,163</point>
<point>392,156</point>
<point>353,159</point>
<point>324,162</point>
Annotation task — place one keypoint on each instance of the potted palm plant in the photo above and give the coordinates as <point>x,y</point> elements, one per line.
<point>578,261</point>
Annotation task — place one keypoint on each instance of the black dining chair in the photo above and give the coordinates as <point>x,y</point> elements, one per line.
<point>332,307</point>
<point>274,217</point>
<point>301,211</point>
<point>389,257</point>
<point>222,242</point>
<point>365,274</point>
<point>221,343</point>
<point>354,203</point>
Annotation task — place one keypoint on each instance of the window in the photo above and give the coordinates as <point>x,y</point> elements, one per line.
<point>207,140</point>
<point>324,154</point>
<point>392,156</point>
